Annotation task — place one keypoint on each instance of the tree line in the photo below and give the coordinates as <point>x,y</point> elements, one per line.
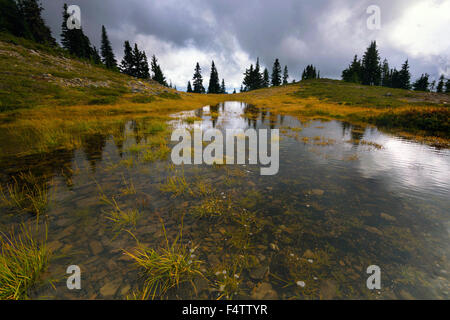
<point>371,71</point>
<point>22,18</point>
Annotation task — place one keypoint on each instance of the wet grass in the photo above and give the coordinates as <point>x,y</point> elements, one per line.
<point>26,193</point>
<point>165,268</point>
<point>23,259</point>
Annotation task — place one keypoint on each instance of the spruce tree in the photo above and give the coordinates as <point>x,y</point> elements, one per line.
<point>248,79</point>
<point>285,75</point>
<point>189,87</point>
<point>223,88</point>
<point>447,86</point>
<point>31,12</point>
<point>422,83</point>
<point>12,20</point>
<point>276,73</point>
<point>353,72</point>
<point>405,76</point>
<point>309,72</point>
<point>266,79</point>
<point>234,91</point>
<point>74,40</point>
<point>127,64</point>
<point>109,59</point>
<point>385,74</point>
<point>371,71</point>
<point>96,56</point>
<point>214,85</point>
<point>198,80</point>
<point>158,75</point>
<point>145,70</point>
<point>257,77</point>
<point>441,84</point>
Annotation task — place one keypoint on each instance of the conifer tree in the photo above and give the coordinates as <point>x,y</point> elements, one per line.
<point>214,85</point>
<point>441,84</point>
<point>234,91</point>
<point>74,40</point>
<point>109,59</point>
<point>189,87</point>
<point>447,86</point>
<point>422,83</point>
<point>223,88</point>
<point>96,56</point>
<point>285,75</point>
<point>158,75</point>
<point>248,79</point>
<point>12,20</point>
<point>127,64</point>
<point>144,68</point>
<point>404,76</point>
<point>31,12</point>
<point>385,74</point>
<point>198,80</point>
<point>257,77</point>
<point>276,73</point>
<point>266,79</point>
<point>371,71</point>
<point>309,72</point>
<point>353,72</point>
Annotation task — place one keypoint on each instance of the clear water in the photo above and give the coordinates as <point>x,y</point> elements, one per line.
<point>336,207</point>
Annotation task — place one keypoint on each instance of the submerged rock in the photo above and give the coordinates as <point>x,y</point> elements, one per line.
<point>264,291</point>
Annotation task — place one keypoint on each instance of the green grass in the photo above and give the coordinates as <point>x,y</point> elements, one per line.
<point>165,268</point>
<point>22,261</point>
<point>26,193</point>
<point>351,94</point>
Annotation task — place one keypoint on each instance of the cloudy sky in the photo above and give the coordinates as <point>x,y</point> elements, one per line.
<point>233,33</point>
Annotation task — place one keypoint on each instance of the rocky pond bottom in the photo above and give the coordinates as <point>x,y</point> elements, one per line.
<point>345,198</point>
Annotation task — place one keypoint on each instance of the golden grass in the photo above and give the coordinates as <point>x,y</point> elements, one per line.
<point>165,268</point>
<point>22,261</point>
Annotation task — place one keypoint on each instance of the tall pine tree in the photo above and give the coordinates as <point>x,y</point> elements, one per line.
<point>276,73</point>
<point>108,57</point>
<point>12,19</point>
<point>371,71</point>
<point>223,88</point>
<point>158,75</point>
<point>31,12</point>
<point>441,84</point>
<point>198,80</point>
<point>214,85</point>
<point>266,78</point>
<point>127,64</point>
<point>285,75</point>
<point>189,87</point>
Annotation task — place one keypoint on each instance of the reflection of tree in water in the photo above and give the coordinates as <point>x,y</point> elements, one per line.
<point>93,146</point>
<point>273,118</point>
<point>119,137</point>
<point>214,111</point>
<point>44,167</point>
<point>263,115</point>
<point>137,127</point>
<point>356,132</point>
<point>199,113</point>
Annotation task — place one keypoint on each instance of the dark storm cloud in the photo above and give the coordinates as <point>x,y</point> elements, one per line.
<point>324,32</point>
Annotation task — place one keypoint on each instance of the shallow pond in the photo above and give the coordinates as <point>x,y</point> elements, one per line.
<point>345,198</point>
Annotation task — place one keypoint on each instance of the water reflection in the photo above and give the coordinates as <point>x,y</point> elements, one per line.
<point>338,201</point>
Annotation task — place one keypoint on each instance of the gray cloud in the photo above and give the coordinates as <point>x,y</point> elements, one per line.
<point>234,33</point>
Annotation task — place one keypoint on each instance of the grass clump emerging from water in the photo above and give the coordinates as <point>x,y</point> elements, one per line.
<point>22,260</point>
<point>165,268</point>
<point>26,193</point>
